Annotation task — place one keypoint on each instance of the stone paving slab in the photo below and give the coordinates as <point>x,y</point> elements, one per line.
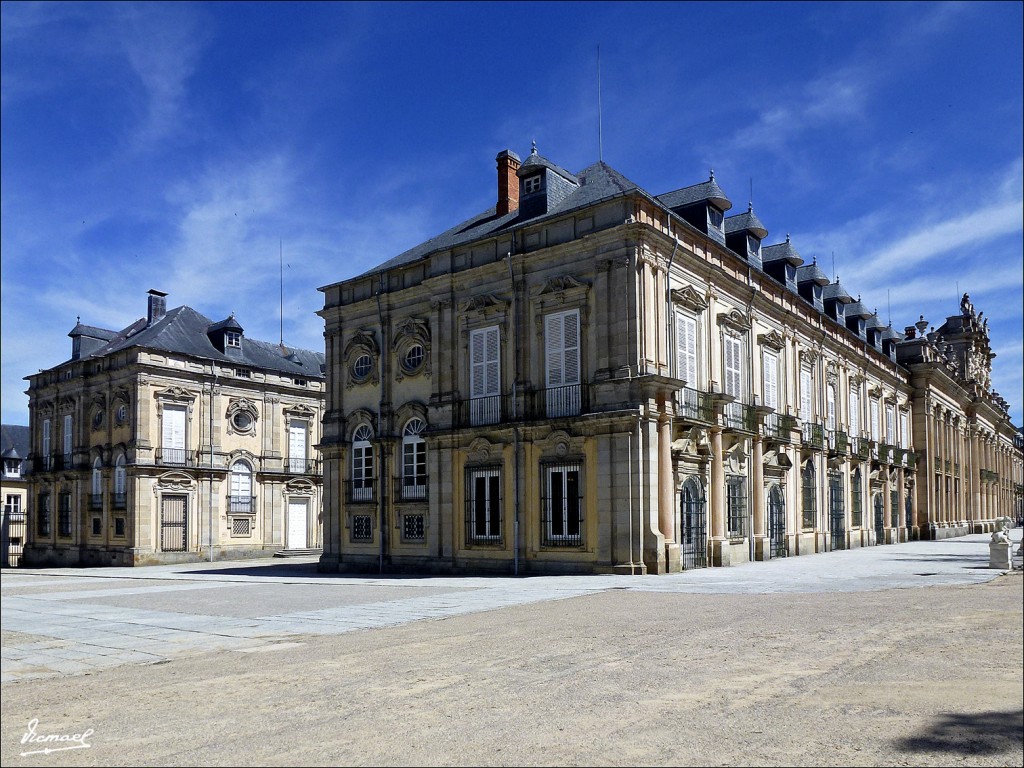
<point>91,619</point>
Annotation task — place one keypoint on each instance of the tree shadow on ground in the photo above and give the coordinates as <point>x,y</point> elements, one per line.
<point>979,733</point>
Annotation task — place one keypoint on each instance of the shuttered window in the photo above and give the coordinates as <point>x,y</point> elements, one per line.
<point>733,346</point>
<point>806,395</point>
<point>874,420</point>
<point>771,379</point>
<point>484,362</point>
<point>174,428</point>
<point>562,347</point>
<point>904,429</point>
<point>854,412</point>
<point>68,425</point>
<point>46,439</point>
<point>297,431</point>
<point>830,407</point>
<point>890,425</point>
<point>686,349</point>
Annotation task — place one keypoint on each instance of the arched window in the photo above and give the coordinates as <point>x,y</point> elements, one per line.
<point>777,521</point>
<point>693,525</point>
<point>362,465</point>
<point>120,483</point>
<point>241,499</point>
<point>809,491</point>
<point>414,460</point>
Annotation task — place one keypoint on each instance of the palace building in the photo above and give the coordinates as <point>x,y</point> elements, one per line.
<point>587,377</point>
<point>174,439</point>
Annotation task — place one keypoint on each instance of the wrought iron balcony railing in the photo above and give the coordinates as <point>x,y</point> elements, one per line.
<point>778,426</point>
<point>241,505</point>
<point>739,417</point>
<point>838,442</point>
<point>694,405</point>
<point>178,457</point>
<point>412,488</point>
<point>298,465</point>
<point>860,448</point>
<point>363,491</point>
<point>120,500</point>
<point>814,435</point>
<point>95,501</point>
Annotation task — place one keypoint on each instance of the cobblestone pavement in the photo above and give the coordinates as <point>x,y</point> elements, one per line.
<point>73,621</point>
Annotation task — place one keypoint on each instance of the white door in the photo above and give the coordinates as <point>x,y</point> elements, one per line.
<point>298,514</point>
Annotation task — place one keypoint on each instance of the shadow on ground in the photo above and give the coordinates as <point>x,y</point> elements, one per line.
<point>981,733</point>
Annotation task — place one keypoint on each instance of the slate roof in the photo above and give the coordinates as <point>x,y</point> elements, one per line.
<point>92,332</point>
<point>857,309</point>
<point>15,437</point>
<point>708,190</point>
<point>874,321</point>
<point>533,160</point>
<point>837,292</point>
<point>184,331</point>
<point>746,221</point>
<point>811,273</point>
<point>596,182</point>
<point>781,252</point>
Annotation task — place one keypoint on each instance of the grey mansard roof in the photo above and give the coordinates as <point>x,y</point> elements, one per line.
<point>836,291</point>
<point>811,273</point>
<point>184,331</point>
<point>746,221</point>
<point>781,252</point>
<point>15,437</point>
<point>708,190</point>
<point>597,182</point>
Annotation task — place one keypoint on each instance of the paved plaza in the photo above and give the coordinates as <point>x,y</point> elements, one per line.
<point>76,635</point>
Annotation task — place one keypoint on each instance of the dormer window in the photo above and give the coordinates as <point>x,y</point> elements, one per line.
<point>753,245</point>
<point>12,467</point>
<point>233,339</point>
<point>715,217</point>
<point>531,184</point>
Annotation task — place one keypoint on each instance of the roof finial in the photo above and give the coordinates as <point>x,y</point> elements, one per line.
<point>787,237</point>
<point>533,144</point>
<point>78,320</point>
<point>712,174</point>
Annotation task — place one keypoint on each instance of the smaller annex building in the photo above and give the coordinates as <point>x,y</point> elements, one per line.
<point>175,439</point>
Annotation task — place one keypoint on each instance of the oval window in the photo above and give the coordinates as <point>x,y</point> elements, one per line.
<point>362,367</point>
<point>414,357</point>
<point>242,421</point>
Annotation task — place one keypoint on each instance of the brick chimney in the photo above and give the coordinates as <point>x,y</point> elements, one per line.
<point>157,306</point>
<point>508,182</point>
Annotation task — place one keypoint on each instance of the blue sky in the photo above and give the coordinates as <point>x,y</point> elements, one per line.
<point>184,146</point>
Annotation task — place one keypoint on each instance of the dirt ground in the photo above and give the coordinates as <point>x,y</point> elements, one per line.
<point>929,676</point>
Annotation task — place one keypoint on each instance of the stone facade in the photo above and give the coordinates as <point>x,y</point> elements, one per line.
<point>603,380</point>
<point>149,438</point>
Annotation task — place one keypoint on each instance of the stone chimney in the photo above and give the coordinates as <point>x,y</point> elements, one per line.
<point>157,306</point>
<point>508,182</point>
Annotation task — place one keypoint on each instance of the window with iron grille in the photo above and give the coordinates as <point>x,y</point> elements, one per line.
<point>43,515</point>
<point>736,506</point>
<point>414,460</point>
<point>97,526</point>
<point>894,508</point>
<point>241,526</point>
<point>362,465</point>
<point>413,527</point>
<point>362,528</point>
<point>64,515</point>
<point>562,505</point>
<point>835,496</point>
<point>483,506</point>
<point>857,500</point>
<point>119,526</point>
<point>809,491</point>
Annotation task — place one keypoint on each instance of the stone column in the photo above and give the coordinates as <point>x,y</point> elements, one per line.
<point>666,494</point>
<point>757,477</point>
<point>720,554</point>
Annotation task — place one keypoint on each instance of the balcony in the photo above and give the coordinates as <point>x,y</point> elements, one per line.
<point>860,448</point>
<point>177,457</point>
<point>95,501</point>
<point>241,505</point>
<point>838,442</point>
<point>411,488</point>
<point>911,460</point>
<point>363,491</point>
<point>885,453</point>
<point>694,406</point>
<point>558,402</point>
<point>814,436</point>
<point>481,411</point>
<point>988,476</point>
<point>120,501</point>
<point>302,466</point>
<point>778,427</point>
<point>739,417</point>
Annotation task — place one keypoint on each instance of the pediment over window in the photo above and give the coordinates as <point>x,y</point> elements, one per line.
<point>734,319</point>
<point>299,410</point>
<point>173,481</point>
<point>300,486</point>
<point>481,449</point>
<point>773,340</point>
<point>562,284</point>
<point>690,298</point>
<point>176,393</point>
<point>483,301</point>
<point>808,356</point>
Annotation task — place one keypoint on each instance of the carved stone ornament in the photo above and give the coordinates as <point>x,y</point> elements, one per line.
<point>483,301</point>
<point>772,340</point>
<point>562,284</point>
<point>175,393</point>
<point>857,379</point>
<point>173,481</point>
<point>300,410</point>
<point>832,372</point>
<point>734,319</point>
<point>480,449</point>
<point>363,340</point>
<point>690,298</point>
<point>808,356</point>
<point>411,331</point>
<point>299,486</point>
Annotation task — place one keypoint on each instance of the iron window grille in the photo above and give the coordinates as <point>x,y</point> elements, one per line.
<point>241,526</point>
<point>95,501</point>
<point>894,508</point>
<point>64,515</point>
<point>43,515</point>
<point>856,501</point>
<point>809,502</point>
<point>119,526</point>
<point>562,505</point>
<point>837,512</point>
<point>413,527</point>
<point>908,506</point>
<point>362,528</point>
<point>736,506</point>
<point>361,491</point>
<point>695,405</point>
<point>483,506</point>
